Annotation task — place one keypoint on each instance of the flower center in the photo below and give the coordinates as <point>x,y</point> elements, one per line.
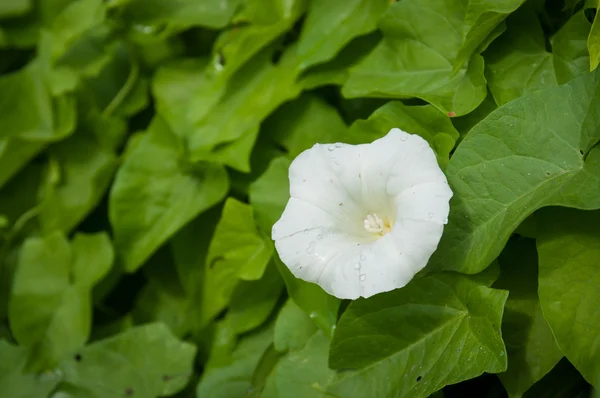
<point>374,224</point>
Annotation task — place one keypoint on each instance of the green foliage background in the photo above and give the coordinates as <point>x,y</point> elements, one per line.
<point>144,149</point>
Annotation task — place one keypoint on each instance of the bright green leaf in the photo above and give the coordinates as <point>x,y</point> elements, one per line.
<point>14,382</point>
<point>237,251</point>
<point>151,362</point>
<point>28,112</point>
<point>180,13</point>
<point>85,171</point>
<point>517,62</point>
<point>514,162</point>
<point>569,250</point>
<point>438,330</point>
<point>293,328</point>
<point>530,346</point>
<point>156,192</point>
<point>253,301</point>
<point>50,304</point>
<point>304,373</point>
<point>252,94</point>
<point>330,25</point>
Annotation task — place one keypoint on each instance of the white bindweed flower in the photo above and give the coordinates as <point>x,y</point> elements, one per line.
<point>363,219</point>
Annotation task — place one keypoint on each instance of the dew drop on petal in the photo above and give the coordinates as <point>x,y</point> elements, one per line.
<point>321,229</point>
<point>403,138</point>
<point>363,258</point>
<point>306,231</point>
<point>363,277</point>
<point>331,148</point>
<point>311,248</point>
<point>338,145</point>
<point>357,266</point>
<point>430,215</point>
<point>319,236</point>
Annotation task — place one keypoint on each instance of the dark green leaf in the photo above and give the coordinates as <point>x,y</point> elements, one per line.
<point>234,378</point>
<point>517,62</point>
<point>514,162</point>
<point>569,47</point>
<point>437,330</point>
<point>530,346</point>
<point>429,52</point>
<point>569,250</point>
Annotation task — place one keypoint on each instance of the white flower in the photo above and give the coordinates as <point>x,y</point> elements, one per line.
<point>363,219</point>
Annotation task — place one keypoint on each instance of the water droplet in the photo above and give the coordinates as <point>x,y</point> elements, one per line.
<point>430,215</point>
<point>363,258</point>
<point>319,236</point>
<point>403,138</point>
<point>363,277</point>
<point>306,231</point>
<point>331,148</point>
<point>337,163</point>
<point>311,248</point>
<point>338,145</point>
<point>501,353</point>
<point>321,229</point>
<point>357,266</point>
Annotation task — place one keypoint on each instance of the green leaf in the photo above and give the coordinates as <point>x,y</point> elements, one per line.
<point>438,330</point>
<point>517,62</point>
<point>234,378</point>
<point>301,123</point>
<point>304,373</point>
<point>569,47</point>
<point>86,169</point>
<point>336,71</point>
<point>293,328</point>
<point>253,301</point>
<point>423,54</point>
<point>236,252</point>
<point>563,381</point>
<point>530,346</point>
<point>160,371</point>
<point>50,305</point>
<point>593,41</point>
<point>156,192</point>
<point>260,23</point>
<point>569,250</point>
<point>28,111</point>
<point>14,154</point>
<point>179,14</point>
<point>14,8</point>
<point>157,304</point>
<point>425,121</point>
<point>330,25</point>
<point>513,162</point>
<point>464,124</point>
<point>255,91</point>
<point>268,196</point>
<point>14,382</point>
